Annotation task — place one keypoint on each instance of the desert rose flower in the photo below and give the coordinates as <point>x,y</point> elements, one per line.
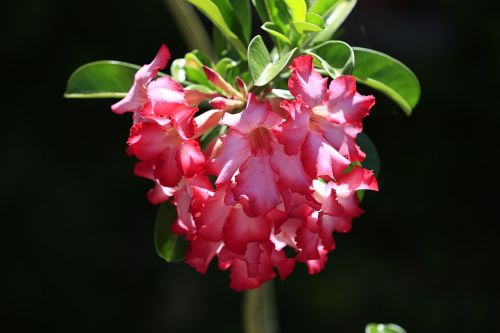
<point>252,155</point>
<point>323,123</point>
<point>285,173</point>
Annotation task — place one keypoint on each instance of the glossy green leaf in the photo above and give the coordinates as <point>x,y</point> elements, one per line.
<point>282,93</point>
<point>168,245</point>
<point>226,9</point>
<point>204,59</point>
<point>338,14</point>
<point>194,70</point>
<point>323,7</point>
<point>221,46</point>
<point>263,69</point>
<point>200,88</point>
<point>279,14</point>
<point>243,14</point>
<point>298,9</point>
<point>372,160</point>
<point>336,57</point>
<point>212,11</point>
<point>260,6</point>
<point>224,67</point>
<point>384,328</point>
<point>275,31</point>
<point>101,79</point>
<point>387,75</point>
<point>313,23</point>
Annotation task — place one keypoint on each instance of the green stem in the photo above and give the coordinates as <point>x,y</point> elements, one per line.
<point>192,29</point>
<point>259,310</point>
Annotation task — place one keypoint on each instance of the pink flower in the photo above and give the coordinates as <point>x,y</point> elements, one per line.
<point>241,243</point>
<point>251,154</point>
<point>323,123</point>
<point>170,156</point>
<point>137,96</point>
<point>282,179</point>
<point>164,130</point>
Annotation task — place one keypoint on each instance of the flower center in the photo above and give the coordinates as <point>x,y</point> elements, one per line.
<point>260,138</point>
<point>172,137</point>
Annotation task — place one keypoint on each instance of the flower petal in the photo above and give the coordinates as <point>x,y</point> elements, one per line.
<point>212,217</point>
<point>256,182</point>
<point>306,82</point>
<point>290,170</point>
<point>167,169</point>
<point>345,104</point>
<point>296,127</point>
<point>207,121</point>
<point>255,114</point>
<point>320,159</point>
<point>148,140</point>
<point>234,152</point>
<point>317,265</point>
<point>137,96</point>
<point>343,139</point>
<point>190,158</point>
<point>201,253</point>
<point>240,229</point>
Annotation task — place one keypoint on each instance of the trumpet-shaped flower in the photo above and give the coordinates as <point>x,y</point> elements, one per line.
<point>323,124</point>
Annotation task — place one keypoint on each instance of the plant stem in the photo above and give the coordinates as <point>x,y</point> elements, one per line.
<point>259,310</point>
<point>190,25</point>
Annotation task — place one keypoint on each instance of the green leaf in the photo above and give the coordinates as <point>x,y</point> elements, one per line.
<point>224,68</point>
<point>372,160</point>
<point>275,31</point>
<point>313,23</point>
<point>243,14</point>
<point>323,7</point>
<point>298,9</point>
<point>213,12</point>
<point>194,70</point>
<point>389,76</point>
<point>220,44</point>
<point>204,59</point>
<point>101,79</point>
<point>384,328</point>
<point>263,69</point>
<point>338,13</point>
<point>279,13</point>
<point>200,88</point>
<point>168,245</point>
<point>336,57</point>
<point>282,93</point>
<point>260,6</point>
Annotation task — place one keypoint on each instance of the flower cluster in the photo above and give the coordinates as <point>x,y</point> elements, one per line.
<point>283,176</point>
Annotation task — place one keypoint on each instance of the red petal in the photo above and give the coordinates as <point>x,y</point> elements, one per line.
<point>257,183</point>
<point>190,158</point>
<point>290,171</point>
<point>137,97</point>
<point>234,152</point>
<point>213,216</point>
<point>148,140</point>
<point>296,127</point>
<point>345,104</point>
<point>201,253</point>
<point>167,170</point>
<point>306,82</point>
<point>241,229</point>
<point>320,159</point>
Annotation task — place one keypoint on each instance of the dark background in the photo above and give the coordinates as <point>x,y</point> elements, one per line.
<point>76,228</point>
